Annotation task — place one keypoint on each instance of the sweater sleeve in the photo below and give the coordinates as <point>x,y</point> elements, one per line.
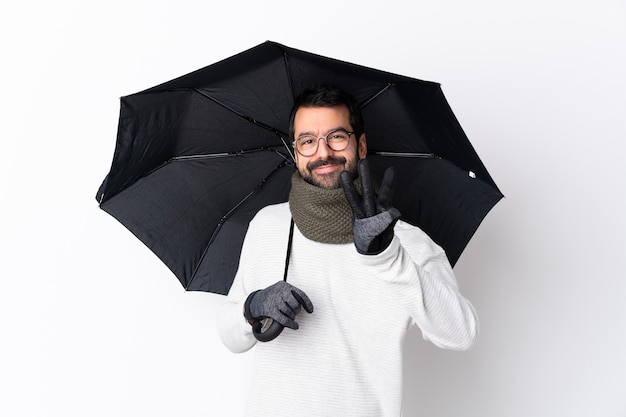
<point>267,235</point>
<point>422,280</point>
<point>234,330</point>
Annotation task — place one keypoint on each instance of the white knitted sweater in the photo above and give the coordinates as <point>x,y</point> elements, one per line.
<point>346,358</point>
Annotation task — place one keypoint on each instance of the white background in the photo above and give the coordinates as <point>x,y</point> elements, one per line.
<point>92,324</point>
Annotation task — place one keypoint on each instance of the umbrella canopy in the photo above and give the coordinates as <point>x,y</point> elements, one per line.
<point>198,156</point>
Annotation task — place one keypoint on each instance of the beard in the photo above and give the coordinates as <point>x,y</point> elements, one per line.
<point>331,180</point>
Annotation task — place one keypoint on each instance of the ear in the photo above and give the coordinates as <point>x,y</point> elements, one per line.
<point>362,146</point>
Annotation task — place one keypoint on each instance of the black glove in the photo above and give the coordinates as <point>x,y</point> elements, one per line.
<point>281,302</point>
<point>373,218</point>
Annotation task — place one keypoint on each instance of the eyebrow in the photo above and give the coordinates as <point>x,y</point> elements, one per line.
<point>327,132</point>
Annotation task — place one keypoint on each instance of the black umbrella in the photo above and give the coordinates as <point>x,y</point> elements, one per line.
<point>198,156</point>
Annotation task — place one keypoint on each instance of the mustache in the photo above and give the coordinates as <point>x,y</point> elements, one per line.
<point>328,161</point>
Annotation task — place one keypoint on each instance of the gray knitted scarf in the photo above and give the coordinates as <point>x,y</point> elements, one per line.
<point>321,215</point>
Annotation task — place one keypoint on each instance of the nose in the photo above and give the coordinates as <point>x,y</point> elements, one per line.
<point>322,148</point>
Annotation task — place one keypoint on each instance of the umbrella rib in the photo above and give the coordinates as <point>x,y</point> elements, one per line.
<point>373,97</point>
<point>230,213</point>
<point>277,132</point>
<point>287,160</point>
<point>226,154</point>
<point>243,116</point>
<point>287,68</point>
<point>407,154</point>
<point>243,200</point>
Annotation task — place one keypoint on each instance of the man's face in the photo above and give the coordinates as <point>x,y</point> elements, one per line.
<point>324,167</point>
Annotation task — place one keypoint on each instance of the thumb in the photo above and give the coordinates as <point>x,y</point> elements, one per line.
<point>303,299</point>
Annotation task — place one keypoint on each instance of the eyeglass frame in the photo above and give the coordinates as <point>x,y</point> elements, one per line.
<point>325,137</point>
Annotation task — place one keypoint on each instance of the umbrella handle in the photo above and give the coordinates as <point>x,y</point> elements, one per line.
<point>270,334</point>
<point>275,328</point>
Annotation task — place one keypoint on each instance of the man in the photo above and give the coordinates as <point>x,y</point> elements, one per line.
<point>362,276</point>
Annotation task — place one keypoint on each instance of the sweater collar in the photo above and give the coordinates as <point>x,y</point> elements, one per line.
<point>321,215</point>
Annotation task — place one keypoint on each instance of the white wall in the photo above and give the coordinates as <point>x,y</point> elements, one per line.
<point>93,325</point>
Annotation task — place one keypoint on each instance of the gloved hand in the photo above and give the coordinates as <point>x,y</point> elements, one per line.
<point>373,218</point>
<point>281,302</point>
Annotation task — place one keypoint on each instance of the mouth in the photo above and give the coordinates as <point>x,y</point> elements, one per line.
<point>326,169</point>
<point>326,166</point>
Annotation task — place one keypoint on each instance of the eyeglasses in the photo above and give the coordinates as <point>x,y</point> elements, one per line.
<point>337,140</point>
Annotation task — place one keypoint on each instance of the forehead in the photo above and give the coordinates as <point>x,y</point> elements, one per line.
<point>318,120</point>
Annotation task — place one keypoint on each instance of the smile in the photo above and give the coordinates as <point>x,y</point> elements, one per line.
<point>323,169</point>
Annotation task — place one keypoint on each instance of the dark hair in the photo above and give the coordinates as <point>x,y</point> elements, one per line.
<point>328,96</point>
